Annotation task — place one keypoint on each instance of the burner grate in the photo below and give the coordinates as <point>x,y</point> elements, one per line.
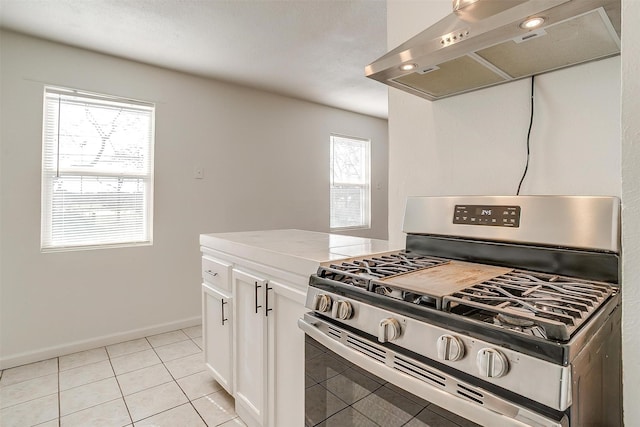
<point>537,304</point>
<point>361,272</point>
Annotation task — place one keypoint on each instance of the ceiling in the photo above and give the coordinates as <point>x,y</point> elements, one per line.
<point>314,50</point>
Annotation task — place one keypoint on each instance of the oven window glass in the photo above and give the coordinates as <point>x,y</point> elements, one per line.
<point>341,394</point>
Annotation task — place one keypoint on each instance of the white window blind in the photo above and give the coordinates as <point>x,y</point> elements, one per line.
<point>350,182</point>
<point>97,171</point>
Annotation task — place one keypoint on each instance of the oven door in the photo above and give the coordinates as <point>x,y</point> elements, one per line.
<point>354,381</point>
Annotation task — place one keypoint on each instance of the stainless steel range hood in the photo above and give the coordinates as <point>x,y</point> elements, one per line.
<point>484,43</point>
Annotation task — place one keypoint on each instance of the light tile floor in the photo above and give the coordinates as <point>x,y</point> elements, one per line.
<point>154,381</point>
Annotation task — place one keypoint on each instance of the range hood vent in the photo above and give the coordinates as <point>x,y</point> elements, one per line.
<point>483,43</point>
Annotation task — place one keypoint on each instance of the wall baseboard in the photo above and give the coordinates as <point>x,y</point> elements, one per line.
<point>76,346</point>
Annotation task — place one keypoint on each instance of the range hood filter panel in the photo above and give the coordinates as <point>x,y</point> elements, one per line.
<point>578,40</point>
<point>457,75</point>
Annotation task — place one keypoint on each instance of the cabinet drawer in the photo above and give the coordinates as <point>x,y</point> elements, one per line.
<point>216,273</point>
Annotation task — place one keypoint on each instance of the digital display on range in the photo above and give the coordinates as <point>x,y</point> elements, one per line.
<point>496,216</point>
<point>484,212</point>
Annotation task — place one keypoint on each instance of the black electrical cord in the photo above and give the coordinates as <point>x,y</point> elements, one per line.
<point>526,166</point>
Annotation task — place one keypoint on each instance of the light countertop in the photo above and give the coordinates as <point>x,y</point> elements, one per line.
<point>297,251</point>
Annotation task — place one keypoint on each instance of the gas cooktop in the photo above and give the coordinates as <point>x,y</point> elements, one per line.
<point>537,304</point>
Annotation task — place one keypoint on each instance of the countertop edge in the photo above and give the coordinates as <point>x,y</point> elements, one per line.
<point>296,251</point>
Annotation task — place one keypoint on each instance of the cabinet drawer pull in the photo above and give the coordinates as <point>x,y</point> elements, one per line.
<point>212,273</point>
<point>222,303</point>
<point>256,289</point>
<point>266,301</point>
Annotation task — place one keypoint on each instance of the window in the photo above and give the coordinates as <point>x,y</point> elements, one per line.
<point>350,182</point>
<point>97,171</point>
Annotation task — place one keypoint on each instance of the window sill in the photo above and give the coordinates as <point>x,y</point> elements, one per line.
<point>94,247</point>
<point>338,229</point>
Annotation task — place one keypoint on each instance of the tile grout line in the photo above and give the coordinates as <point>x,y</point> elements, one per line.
<point>165,367</point>
<point>59,392</point>
<point>196,409</point>
<point>59,373</point>
<point>90,407</point>
<point>32,399</point>
<point>119,387</point>
<point>115,376</point>
<point>189,399</point>
<point>163,411</point>
<point>91,382</point>
<point>178,384</point>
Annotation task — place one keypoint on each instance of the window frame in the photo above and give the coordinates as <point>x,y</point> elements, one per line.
<point>366,186</point>
<point>49,175</point>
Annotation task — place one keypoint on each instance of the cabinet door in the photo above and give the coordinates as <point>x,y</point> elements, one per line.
<point>286,355</point>
<point>217,333</point>
<point>250,334</point>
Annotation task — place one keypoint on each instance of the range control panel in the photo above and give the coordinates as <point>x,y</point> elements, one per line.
<point>497,216</point>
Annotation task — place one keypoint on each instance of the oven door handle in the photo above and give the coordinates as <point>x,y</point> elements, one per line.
<point>521,417</point>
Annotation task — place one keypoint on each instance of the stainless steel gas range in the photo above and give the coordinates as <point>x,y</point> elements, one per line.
<point>501,311</point>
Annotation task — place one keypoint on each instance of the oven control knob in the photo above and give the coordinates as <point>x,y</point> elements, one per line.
<point>389,329</point>
<point>342,310</point>
<point>450,348</point>
<point>322,303</point>
<point>491,363</point>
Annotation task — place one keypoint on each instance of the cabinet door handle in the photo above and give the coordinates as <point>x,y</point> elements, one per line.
<point>222,303</point>
<point>256,289</point>
<point>266,301</point>
<point>212,273</point>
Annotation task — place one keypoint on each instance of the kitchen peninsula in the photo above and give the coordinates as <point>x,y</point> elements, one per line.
<point>253,293</point>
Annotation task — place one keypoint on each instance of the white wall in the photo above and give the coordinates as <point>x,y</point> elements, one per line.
<point>265,160</point>
<point>631,209</point>
<point>476,143</point>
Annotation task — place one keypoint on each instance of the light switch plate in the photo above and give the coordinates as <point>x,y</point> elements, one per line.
<point>198,172</point>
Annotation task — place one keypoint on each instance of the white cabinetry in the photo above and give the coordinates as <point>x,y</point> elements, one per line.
<point>252,344</point>
<point>268,350</point>
<point>217,329</point>
<point>216,316</point>
<point>265,274</point>
<point>217,273</point>
<point>250,337</point>
<point>286,355</point>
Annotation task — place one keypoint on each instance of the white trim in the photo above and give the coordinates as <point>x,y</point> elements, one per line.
<point>88,344</point>
<point>143,105</point>
<point>366,186</point>
<point>77,231</point>
<point>50,249</point>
